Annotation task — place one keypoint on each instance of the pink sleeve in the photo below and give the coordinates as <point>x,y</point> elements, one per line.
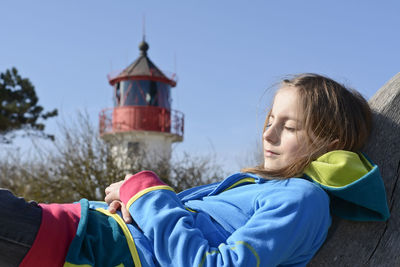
<point>137,183</point>
<point>57,229</point>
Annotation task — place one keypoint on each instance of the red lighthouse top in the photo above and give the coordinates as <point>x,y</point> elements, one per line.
<point>142,101</point>
<point>142,69</point>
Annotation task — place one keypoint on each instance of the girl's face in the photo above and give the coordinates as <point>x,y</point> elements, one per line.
<point>284,138</point>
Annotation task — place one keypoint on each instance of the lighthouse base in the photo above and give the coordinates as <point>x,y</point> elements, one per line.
<point>127,147</point>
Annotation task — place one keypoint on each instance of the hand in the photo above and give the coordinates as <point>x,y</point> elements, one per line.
<point>112,191</point>
<point>113,200</point>
<point>118,205</point>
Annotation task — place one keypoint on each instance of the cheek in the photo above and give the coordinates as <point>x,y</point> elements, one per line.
<point>295,144</point>
<point>293,147</point>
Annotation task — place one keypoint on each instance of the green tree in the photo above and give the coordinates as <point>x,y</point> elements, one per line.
<point>19,109</point>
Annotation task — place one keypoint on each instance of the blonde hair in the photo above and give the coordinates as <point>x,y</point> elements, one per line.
<point>337,118</point>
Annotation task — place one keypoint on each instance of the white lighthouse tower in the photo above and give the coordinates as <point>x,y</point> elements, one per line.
<point>142,120</point>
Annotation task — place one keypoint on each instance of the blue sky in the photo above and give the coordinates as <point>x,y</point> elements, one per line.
<point>226,55</point>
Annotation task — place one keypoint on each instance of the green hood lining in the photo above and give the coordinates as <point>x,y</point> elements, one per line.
<point>338,168</point>
<point>353,183</point>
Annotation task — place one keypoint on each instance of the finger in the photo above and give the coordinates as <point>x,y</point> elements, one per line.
<point>114,206</point>
<point>127,176</point>
<point>112,192</point>
<point>125,214</point>
<point>107,190</point>
<point>110,188</point>
<point>110,197</point>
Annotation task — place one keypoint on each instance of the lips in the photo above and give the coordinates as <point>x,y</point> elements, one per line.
<point>270,153</point>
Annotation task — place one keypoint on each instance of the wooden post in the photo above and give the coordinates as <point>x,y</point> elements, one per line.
<point>373,243</point>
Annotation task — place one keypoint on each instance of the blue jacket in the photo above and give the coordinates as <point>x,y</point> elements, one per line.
<point>244,220</point>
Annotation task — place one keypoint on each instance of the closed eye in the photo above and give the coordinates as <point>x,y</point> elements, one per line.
<point>290,129</point>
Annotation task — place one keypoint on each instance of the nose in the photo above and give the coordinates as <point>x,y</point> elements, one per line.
<point>271,134</point>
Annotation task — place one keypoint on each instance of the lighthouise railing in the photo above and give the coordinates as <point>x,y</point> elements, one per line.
<point>141,118</point>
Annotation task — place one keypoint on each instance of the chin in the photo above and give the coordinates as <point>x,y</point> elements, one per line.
<point>271,167</point>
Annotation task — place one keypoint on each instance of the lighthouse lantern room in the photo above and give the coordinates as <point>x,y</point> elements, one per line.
<point>142,119</point>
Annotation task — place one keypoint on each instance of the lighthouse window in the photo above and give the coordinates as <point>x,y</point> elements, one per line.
<point>117,94</point>
<point>151,96</point>
<point>145,93</point>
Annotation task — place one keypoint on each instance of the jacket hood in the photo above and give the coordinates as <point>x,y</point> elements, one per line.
<point>353,183</point>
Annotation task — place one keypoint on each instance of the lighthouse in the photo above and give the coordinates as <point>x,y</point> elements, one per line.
<point>142,121</point>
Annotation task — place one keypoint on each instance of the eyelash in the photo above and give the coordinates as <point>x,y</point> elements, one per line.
<point>290,129</point>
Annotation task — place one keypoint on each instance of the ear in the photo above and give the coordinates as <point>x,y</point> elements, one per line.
<point>333,145</point>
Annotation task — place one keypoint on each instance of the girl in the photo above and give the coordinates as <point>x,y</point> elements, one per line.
<point>275,214</point>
